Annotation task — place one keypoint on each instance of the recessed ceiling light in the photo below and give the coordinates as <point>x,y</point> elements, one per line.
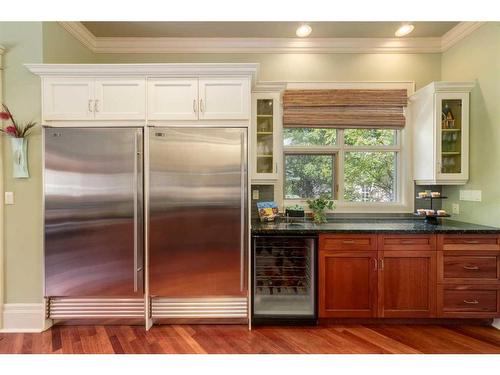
<point>303,30</point>
<point>404,29</point>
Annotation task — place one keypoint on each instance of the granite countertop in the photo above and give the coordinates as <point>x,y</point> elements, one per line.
<point>370,225</point>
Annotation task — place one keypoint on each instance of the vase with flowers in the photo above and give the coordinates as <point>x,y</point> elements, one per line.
<point>18,134</point>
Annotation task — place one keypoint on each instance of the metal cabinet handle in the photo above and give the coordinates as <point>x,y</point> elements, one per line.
<point>348,241</point>
<point>472,268</point>
<point>381,264</point>
<point>375,264</point>
<point>407,242</point>
<point>90,105</point>
<point>96,106</point>
<point>194,105</point>
<point>474,302</point>
<point>202,107</point>
<point>472,241</point>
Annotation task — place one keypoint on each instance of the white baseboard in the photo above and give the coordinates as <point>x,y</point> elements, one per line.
<point>496,323</point>
<point>23,317</point>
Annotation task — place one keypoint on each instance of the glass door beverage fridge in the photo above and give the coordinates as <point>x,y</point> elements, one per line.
<point>284,280</point>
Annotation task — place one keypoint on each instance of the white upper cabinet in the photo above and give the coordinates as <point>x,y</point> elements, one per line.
<point>68,98</point>
<point>120,99</point>
<point>224,99</point>
<point>90,99</point>
<point>440,122</point>
<point>173,99</point>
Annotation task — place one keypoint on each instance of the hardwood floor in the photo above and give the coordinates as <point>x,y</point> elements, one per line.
<point>358,339</point>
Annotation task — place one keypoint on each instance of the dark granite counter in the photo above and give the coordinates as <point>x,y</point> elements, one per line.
<point>370,225</point>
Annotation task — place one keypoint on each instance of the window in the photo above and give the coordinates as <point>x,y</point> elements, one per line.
<point>350,165</point>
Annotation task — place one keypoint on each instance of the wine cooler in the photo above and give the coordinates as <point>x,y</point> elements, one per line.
<point>284,280</point>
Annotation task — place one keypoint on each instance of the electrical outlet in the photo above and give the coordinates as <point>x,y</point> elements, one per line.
<point>9,197</point>
<point>455,208</point>
<point>255,194</point>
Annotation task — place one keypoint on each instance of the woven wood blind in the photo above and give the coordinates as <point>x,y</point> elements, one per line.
<point>344,108</point>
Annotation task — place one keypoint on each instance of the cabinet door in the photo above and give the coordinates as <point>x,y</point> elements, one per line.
<point>452,138</point>
<point>347,284</point>
<point>120,99</point>
<point>266,132</point>
<point>68,98</point>
<point>224,98</point>
<point>173,99</point>
<point>407,284</point>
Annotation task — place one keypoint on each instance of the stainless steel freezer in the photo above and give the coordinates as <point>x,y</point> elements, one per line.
<point>197,222</point>
<point>94,221</point>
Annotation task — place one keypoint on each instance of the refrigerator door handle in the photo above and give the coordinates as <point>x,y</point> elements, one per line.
<point>136,208</point>
<point>243,205</point>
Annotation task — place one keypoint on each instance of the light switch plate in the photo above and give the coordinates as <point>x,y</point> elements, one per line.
<point>455,209</point>
<point>255,194</point>
<point>9,197</point>
<point>470,195</point>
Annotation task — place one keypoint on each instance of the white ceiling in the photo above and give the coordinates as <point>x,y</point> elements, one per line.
<point>262,29</point>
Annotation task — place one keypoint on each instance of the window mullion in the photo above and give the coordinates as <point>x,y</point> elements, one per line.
<point>340,166</point>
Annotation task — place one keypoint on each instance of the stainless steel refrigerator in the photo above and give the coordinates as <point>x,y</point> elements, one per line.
<point>93,189</point>
<point>197,222</point>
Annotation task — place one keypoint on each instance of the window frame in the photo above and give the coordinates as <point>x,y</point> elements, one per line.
<point>405,184</point>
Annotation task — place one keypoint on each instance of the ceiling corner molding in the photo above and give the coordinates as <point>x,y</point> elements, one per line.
<point>459,32</point>
<point>81,33</point>
<point>269,45</point>
<point>2,49</point>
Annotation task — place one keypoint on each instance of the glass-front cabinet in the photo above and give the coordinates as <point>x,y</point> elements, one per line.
<point>440,122</point>
<point>453,119</point>
<point>266,131</point>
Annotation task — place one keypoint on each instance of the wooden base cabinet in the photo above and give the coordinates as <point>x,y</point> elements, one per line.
<point>468,276</point>
<point>359,278</point>
<point>407,284</point>
<point>347,284</point>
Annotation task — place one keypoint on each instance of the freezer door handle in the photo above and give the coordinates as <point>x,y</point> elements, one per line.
<point>137,193</point>
<point>242,210</point>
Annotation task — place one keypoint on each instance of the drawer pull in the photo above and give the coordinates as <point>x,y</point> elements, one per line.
<point>471,268</point>
<point>472,241</point>
<point>348,241</point>
<point>474,302</point>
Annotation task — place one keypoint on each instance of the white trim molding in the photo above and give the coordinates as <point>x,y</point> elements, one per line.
<point>23,317</point>
<point>149,70</point>
<point>459,32</point>
<point>269,45</point>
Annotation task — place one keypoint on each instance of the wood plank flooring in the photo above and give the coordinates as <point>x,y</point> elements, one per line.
<point>358,339</point>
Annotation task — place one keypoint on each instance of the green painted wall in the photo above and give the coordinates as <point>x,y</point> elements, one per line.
<point>421,68</point>
<point>28,42</point>
<point>59,46</point>
<point>23,220</point>
<point>477,58</point>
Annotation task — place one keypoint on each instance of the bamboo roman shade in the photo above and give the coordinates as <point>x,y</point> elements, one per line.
<point>344,108</point>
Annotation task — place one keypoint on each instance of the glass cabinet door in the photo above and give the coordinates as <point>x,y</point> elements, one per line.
<point>452,129</point>
<point>265,131</point>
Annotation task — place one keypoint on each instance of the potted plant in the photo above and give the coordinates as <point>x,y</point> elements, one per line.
<point>18,140</point>
<point>318,206</point>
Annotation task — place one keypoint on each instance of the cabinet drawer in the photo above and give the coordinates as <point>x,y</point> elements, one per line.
<point>362,242</point>
<point>470,300</point>
<point>407,242</point>
<point>469,267</point>
<point>469,242</point>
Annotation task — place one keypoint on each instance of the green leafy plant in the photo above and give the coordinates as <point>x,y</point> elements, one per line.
<point>318,206</point>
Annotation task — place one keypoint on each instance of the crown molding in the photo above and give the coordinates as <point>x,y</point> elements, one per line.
<point>2,49</point>
<point>459,32</point>
<point>139,70</point>
<point>81,33</point>
<point>269,45</point>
